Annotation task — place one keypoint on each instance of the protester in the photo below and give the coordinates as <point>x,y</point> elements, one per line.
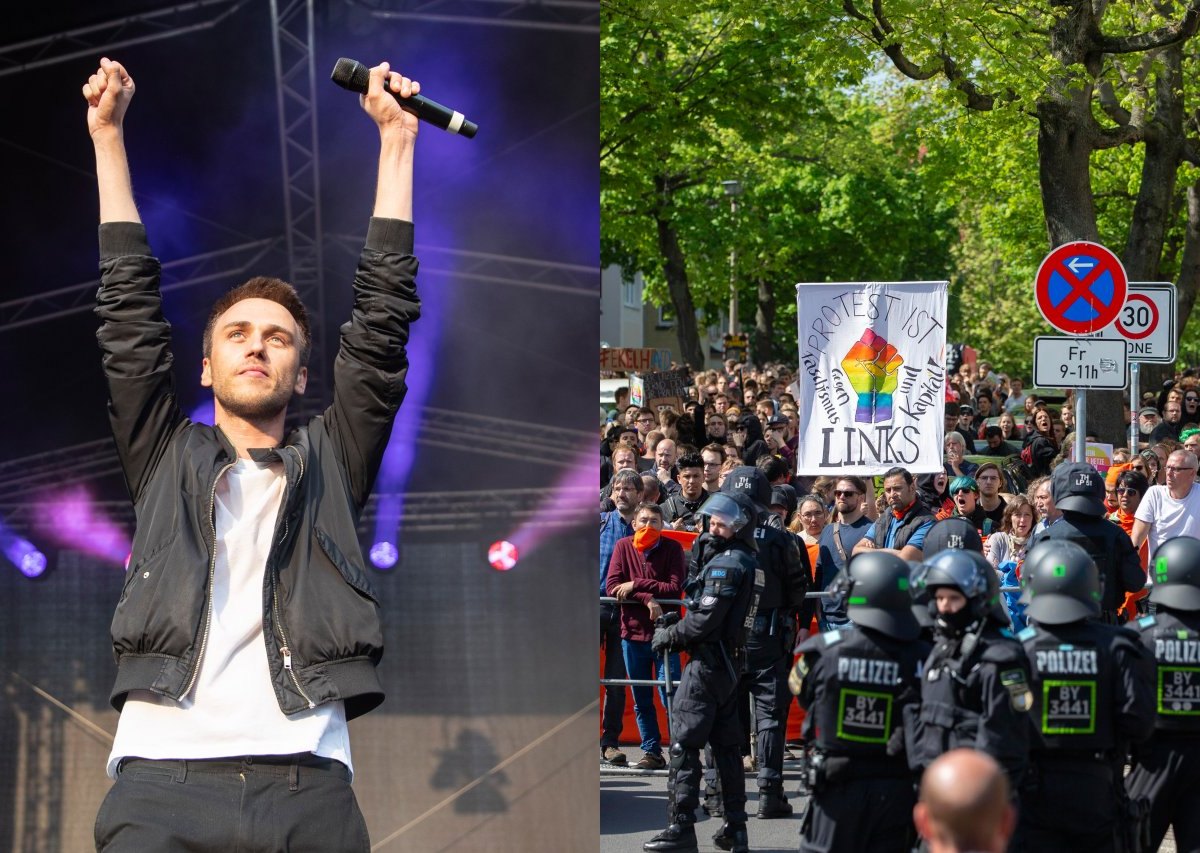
<point>965,805</point>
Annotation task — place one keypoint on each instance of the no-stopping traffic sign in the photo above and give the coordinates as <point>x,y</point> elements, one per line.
<point>1080,288</point>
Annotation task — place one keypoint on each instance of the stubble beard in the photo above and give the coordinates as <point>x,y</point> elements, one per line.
<point>250,405</point>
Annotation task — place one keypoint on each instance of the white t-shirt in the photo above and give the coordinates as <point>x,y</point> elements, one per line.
<point>1169,517</point>
<point>232,710</point>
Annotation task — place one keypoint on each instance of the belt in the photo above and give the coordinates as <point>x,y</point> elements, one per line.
<point>281,765</point>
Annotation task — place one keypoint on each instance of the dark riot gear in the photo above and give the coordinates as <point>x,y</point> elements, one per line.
<point>1175,571</point>
<point>1166,769</point>
<point>970,574</point>
<point>1061,583</point>
<point>879,597</point>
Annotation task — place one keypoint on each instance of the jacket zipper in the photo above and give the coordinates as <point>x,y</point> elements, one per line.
<point>212,570</point>
<point>285,649</point>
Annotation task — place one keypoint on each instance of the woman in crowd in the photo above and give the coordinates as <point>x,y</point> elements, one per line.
<point>1008,428</point>
<point>956,449</point>
<point>1041,444</point>
<point>810,519</point>
<point>934,492</point>
<point>1131,488</point>
<point>1191,405</point>
<point>1006,551</point>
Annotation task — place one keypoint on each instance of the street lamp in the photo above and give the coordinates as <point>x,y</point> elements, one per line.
<point>733,189</point>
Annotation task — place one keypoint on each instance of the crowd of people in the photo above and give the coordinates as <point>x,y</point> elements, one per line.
<point>942,603</point>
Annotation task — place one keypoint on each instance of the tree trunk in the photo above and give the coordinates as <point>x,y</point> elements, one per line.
<point>675,272</point>
<point>764,322</point>
<point>1064,151</point>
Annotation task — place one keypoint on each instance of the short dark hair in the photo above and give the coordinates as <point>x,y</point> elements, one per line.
<point>649,506</point>
<point>690,460</point>
<point>630,474</point>
<point>897,471</point>
<point>858,482</point>
<point>773,467</point>
<point>1134,480</point>
<point>263,287</point>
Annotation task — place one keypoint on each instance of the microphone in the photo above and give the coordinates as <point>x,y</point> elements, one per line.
<point>354,76</point>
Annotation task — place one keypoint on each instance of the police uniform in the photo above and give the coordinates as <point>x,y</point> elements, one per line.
<point>787,576</point>
<point>1078,491</point>
<point>1166,769</point>
<point>723,597</point>
<point>975,690</point>
<point>1092,698</point>
<point>855,685</point>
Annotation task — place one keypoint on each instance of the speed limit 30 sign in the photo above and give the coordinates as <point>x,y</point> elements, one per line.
<point>1147,322</point>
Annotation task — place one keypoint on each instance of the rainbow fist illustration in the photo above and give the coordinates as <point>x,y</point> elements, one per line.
<point>872,365</point>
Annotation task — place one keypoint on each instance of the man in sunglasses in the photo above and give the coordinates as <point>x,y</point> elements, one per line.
<point>848,526</point>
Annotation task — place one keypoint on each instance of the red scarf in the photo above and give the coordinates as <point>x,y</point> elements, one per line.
<point>900,513</point>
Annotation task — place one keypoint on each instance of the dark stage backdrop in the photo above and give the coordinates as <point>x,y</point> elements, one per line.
<point>487,740</point>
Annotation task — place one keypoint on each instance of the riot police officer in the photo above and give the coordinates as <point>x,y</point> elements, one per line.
<point>1092,698</point>
<point>787,576</point>
<point>722,601</point>
<point>1078,491</point>
<point>855,685</point>
<point>975,692</point>
<point>1166,769</point>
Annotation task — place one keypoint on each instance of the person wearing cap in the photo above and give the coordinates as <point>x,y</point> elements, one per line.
<point>1093,698</point>
<point>1078,491</point>
<point>782,613</point>
<point>975,692</point>
<point>1166,769</point>
<point>966,425</point>
<point>775,435</point>
<point>964,491</point>
<point>1171,510</point>
<point>723,588</point>
<point>784,502</point>
<point>855,685</point>
<point>1148,419</point>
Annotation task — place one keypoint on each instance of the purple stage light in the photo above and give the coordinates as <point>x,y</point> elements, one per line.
<point>23,553</point>
<point>32,564</point>
<point>73,520</point>
<point>384,555</point>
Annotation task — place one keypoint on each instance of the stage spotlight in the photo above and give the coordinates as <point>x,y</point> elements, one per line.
<point>384,555</point>
<point>503,555</point>
<point>24,554</point>
<point>32,564</point>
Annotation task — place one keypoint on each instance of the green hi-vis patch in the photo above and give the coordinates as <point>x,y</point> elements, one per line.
<point>857,599</point>
<point>1160,570</point>
<point>902,583</point>
<point>1019,694</point>
<point>1060,571</point>
<point>863,716</point>
<point>1068,707</point>
<point>1179,691</point>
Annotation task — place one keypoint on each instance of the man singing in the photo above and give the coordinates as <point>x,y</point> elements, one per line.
<point>247,633</point>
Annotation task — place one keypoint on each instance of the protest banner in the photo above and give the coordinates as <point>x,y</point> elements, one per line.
<point>659,389</point>
<point>872,378</point>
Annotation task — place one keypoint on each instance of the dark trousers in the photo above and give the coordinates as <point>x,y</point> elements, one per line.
<point>614,667</point>
<point>860,816</point>
<point>1167,772</point>
<point>766,683</point>
<point>705,711</point>
<point>1069,806</point>
<point>257,804</point>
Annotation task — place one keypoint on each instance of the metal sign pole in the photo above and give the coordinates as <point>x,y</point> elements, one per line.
<point>1080,425</point>
<point>1134,406</point>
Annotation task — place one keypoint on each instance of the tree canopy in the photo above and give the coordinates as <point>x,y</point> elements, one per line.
<point>896,140</point>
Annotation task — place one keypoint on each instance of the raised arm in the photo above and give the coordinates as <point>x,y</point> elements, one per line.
<point>108,93</point>
<point>397,134</point>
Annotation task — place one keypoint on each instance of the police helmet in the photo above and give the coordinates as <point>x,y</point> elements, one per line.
<point>1061,583</point>
<point>973,576</point>
<point>920,594</point>
<point>749,480</point>
<point>1176,573</point>
<point>879,595</point>
<point>736,510</point>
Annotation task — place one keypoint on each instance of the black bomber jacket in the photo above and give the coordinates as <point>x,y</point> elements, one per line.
<point>321,620</point>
